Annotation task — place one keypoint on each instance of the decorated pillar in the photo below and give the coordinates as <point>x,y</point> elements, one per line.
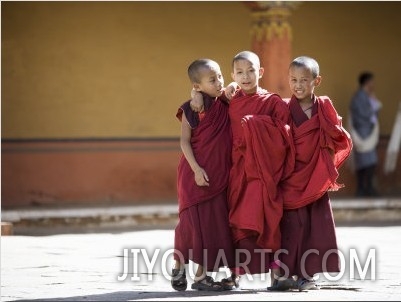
<point>271,41</point>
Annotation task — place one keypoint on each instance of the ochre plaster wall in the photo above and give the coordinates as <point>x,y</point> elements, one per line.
<point>118,69</point>
<point>108,70</point>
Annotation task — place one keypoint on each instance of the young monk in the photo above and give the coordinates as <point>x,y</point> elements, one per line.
<point>322,145</point>
<point>202,233</point>
<point>262,157</point>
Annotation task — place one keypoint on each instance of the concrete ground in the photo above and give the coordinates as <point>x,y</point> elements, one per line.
<point>87,267</point>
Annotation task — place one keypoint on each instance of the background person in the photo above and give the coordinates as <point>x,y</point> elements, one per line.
<point>364,130</point>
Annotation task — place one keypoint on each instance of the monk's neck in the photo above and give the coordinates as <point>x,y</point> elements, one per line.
<point>306,106</point>
<point>306,102</point>
<point>251,91</point>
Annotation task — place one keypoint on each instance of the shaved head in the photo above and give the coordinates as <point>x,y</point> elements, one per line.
<point>308,63</point>
<point>249,56</point>
<point>196,67</point>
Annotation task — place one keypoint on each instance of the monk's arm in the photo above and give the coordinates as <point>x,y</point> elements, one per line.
<point>201,177</point>
<point>230,91</point>
<point>196,103</point>
<point>337,135</point>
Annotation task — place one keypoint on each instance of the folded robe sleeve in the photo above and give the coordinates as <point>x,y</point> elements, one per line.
<point>316,171</point>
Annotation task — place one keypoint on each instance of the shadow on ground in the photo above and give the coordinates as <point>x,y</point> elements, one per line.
<point>143,295</point>
<point>191,294</point>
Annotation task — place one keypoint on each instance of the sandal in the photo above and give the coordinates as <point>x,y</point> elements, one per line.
<point>230,282</point>
<point>208,284</point>
<point>179,279</point>
<point>283,285</point>
<point>305,284</point>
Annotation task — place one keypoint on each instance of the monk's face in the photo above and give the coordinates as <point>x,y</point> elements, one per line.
<point>211,82</point>
<point>247,74</point>
<point>302,83</point>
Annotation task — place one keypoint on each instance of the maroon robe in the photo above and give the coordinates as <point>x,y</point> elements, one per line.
<point>308,223</point>
<point>211,144</point>
<point>203,228</point>
<point>315,172</point>
<point>261,158</point>
<point>310,228</point>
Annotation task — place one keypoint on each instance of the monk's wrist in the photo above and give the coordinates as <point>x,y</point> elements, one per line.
<point>197,170</point>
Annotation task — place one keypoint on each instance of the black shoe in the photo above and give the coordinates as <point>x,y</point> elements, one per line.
<point>179,279</point>
<point>231,282</point>
<point>207,284</point>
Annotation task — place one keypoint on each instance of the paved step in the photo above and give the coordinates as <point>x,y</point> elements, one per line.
<point>90,219</point>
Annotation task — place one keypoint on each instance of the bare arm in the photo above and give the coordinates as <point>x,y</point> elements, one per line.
<point>201,177</point>
<point>197,98</point>
<point>230,90</point>
<point>196,101</point>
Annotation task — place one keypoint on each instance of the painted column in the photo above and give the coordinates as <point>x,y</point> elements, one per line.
<point>271,40</point>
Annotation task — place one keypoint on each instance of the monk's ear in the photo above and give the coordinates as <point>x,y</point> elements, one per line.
<point>196,86</point>
<point>318,80</point>
<point>261,72</point>
<point>232,76</point>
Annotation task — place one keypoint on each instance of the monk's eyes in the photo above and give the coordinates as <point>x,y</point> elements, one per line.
<point>301,81</point>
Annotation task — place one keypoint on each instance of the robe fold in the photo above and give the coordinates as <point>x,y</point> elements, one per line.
<point>203,233</point>
<point>211,144</point>
<point>307,226</point>
<point>261,158</point>
<point>315,139</point>
<point>309,239</point>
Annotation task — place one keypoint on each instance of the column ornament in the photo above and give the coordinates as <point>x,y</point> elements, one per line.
<point>270,19</point>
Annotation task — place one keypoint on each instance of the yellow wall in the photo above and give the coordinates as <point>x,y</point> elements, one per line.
<point>104,69</point>
<point>118,69</point>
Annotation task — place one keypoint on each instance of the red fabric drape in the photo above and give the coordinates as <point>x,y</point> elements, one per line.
<point>316,171</point>
<point>261,148</point>
<point>211,144</point>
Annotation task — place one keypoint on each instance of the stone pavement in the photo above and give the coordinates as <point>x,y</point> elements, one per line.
<point>86,267</point>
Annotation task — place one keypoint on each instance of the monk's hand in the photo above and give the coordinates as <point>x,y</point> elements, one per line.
<point>230,90</point>
<point>201,178</point>
<point>196,103</point>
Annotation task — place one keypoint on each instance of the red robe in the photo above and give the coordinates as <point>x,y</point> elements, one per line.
<point>261,158</point>
<point>315,170</point>
<point>211,144</point>
<point>308,224</point>
<point>203,228</point>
